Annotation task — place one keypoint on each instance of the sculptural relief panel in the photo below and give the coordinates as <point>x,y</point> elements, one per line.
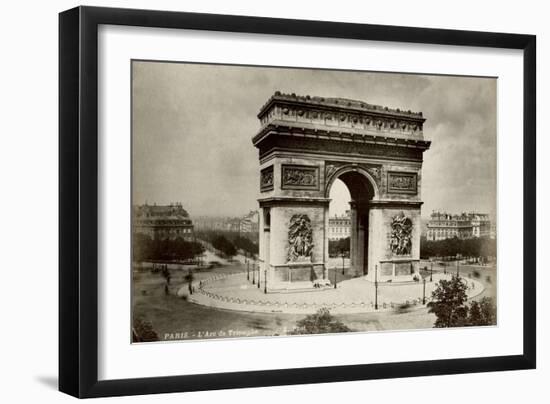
<point>266,179</point>
<point>402,182</point>
<point>344,119</point>
<point>300,238</point>
<point>299,177</point>
<point>401,235</point>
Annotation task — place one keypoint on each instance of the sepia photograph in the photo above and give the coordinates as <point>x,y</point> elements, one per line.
<point>281,201</point>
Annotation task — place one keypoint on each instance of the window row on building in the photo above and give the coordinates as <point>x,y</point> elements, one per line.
<point>339,227</point>
<point>161,222</point>
<point>443,226</point>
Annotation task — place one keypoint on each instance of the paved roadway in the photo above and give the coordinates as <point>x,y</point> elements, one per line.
<point>175,318</point>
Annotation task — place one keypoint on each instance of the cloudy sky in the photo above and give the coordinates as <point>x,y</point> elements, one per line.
<point>193,124</point>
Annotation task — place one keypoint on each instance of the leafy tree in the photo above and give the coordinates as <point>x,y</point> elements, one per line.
<point>482,313</point>
<point>472,247</point>
<point>142,331</point>
<point>448,303</point>
<point>488,311</point>
<point>474,314</point>
<point>142,247</point>
<point>222,244</point>
<point>210,234</point>
<point>246,245</point>
<point>321,322</point>
<point>146,249</point>
<point>335,247</point>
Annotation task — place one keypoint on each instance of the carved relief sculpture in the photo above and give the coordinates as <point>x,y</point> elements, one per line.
<point>399,182</point>
<point>300,177</point>
<point>402,182</point>
<point>329,170</point>
<point>300,239</point>
<point>401,235</point>
<point>266,179</point>
<point>374,171</point>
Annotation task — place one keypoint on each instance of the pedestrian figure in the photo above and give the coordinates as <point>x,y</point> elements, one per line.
<point>166,273</point>
<point>166,291</point>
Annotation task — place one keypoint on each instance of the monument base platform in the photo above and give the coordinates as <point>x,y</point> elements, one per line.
<point>396,270</point>
<point>297,276</point>
<point>298,287</point>
<point>397,280</point>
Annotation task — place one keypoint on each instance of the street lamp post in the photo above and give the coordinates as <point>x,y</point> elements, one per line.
<point>247,269</point>
<point>376,287</point>
<point>342,254</point>
<point>265,281</point>
<point>254,273</point>
<point>335,272</point>
<point>423,290</point>
<point>259,269</point>
<point>457,268</point>
<point>431,270</point>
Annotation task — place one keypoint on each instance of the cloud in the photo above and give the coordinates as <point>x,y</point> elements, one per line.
<point>193,124</point>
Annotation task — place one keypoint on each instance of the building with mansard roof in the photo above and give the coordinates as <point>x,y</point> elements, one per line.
<point>161,222</point>
<point>339,226</point>
<point>443,226</point>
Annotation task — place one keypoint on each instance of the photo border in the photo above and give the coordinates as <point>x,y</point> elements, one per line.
<point>78,200</point>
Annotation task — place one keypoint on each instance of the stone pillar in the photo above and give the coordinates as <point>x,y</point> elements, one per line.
<point>391,265</point>
<point>353,237</point>
<point>283,274</point>
<point>278,235</point>
<point>377,241</point>
<point>360,247</point>
<point>265,265</point>
<point>261,238</point>
<point>325,235</point>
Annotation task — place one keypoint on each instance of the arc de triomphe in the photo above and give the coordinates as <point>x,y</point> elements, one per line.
<point>305,143</point>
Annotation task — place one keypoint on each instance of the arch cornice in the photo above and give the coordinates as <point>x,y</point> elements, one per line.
<point>286,200</point>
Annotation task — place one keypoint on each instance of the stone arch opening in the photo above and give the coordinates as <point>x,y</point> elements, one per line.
<point>362,190</point>
<point>357,180</point>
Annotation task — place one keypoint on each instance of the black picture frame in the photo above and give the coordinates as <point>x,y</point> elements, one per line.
<point>78,201</point>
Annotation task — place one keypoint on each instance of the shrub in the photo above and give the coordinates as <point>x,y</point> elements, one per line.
<point>482,313</point>
<point>321,322</point>
<point>142,331</point>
